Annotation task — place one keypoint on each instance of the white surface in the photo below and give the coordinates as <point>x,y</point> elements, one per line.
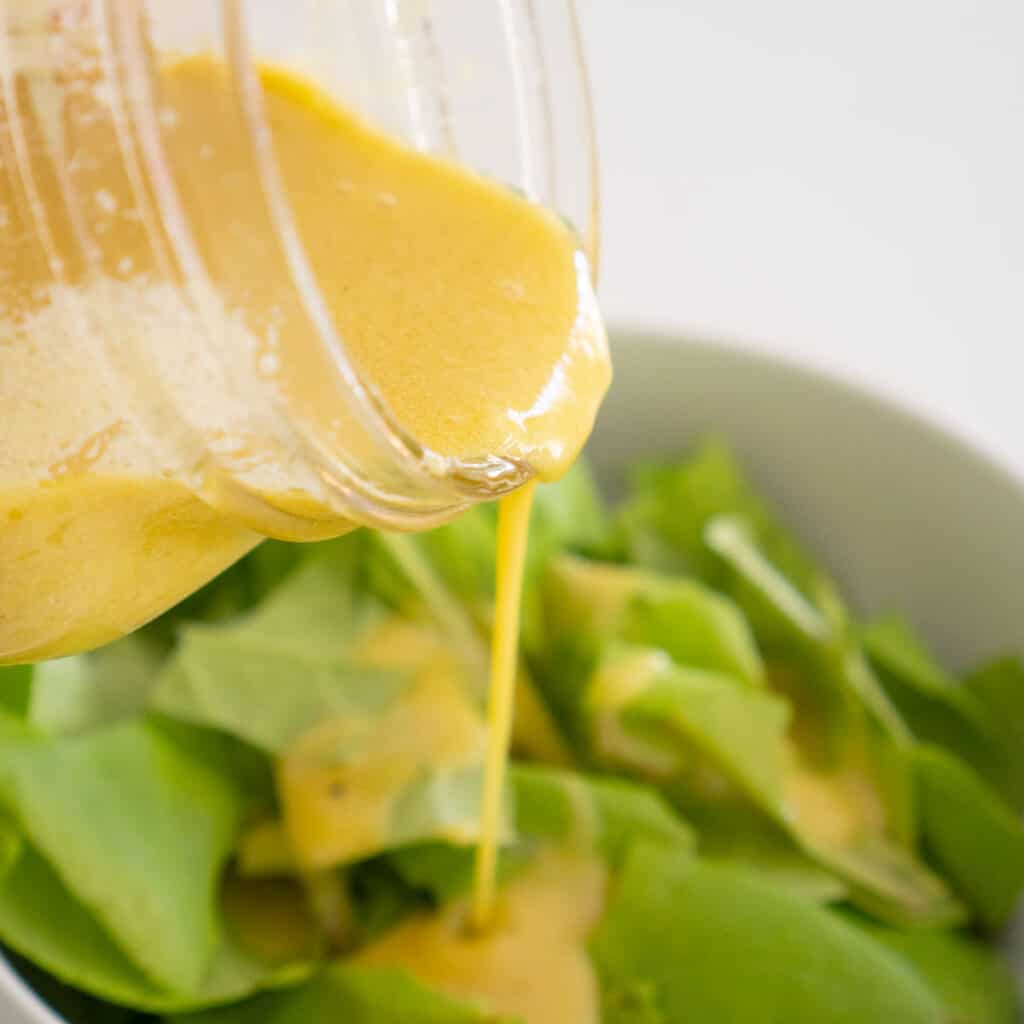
<point>840,182</point>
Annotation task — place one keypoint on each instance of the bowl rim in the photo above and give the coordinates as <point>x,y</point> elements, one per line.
<point>14,989</point>
<point>841,381</point>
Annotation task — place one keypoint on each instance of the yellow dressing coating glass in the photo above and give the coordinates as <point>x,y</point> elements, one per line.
<point>464,308</point>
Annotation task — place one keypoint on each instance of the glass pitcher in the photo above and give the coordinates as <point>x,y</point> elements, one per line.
<point>146,286</point>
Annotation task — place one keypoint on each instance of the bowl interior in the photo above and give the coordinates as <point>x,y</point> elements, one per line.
<point>906,517</point>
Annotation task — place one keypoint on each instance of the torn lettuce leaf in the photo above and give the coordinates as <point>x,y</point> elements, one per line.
<point>353,995</point>
<point>112,886</point>
<point>708,942</point>
<point>700,516</point>
<point>287,665</point>
<point>682,517</point>
<point>671,503</point>
<point>972,980</point>
<point>596,603</point>
<point>942,711</point>
<point>589,606</point>
<point>362,782</point>
<point>973,837</point>
<point>765,849</point>
<point>707,740</point>
<point>82,692</point>
<point>265,694</point>
<point>116,810</point>
<point>86,691</point>
<point>817,637</point>
<point>701,730</point>
<point>585,812</point>
<point>456,562</point>
<point>998,687</point>
<point>41,920</point>
<point>378,737</point>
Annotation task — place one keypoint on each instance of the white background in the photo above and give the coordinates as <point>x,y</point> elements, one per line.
<point>842,182</point>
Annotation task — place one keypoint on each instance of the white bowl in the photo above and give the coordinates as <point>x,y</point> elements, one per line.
<point>906,516</point>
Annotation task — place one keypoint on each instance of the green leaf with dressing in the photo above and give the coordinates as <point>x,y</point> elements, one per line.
<point>600,603</point>
<point>699,515</point>
<point>353,995</point>
<point>288,665</point>
<point>706,740</point>
<point>553,806</point>
<point>589,606</point>
<point>717,943</point>
<point>664,722</point>
<point>456,562</point>
<point>322,677</point>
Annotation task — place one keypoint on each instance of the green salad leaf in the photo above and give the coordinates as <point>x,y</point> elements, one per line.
<point>971,835</point>
<point>693,624</point>
<point>999,688</point>
<point>698,729</point>
<point>700,516</point>
<point>115,809</point>
<point>702,736</point>
<point>16,689</point>
<point>551,805</point>
<point>455,563</point>
<point>353,995</point>
<point>717,943</point>
<point>663,523</point>
<point>269,677</point>
<point>113,884</point>
<point>83,692</point>
<point>940,710</point>
<point>313,677</point>
<point>972,980</point>
<point>43,921</point>
<point>589,606</point>
<point>795,812</point>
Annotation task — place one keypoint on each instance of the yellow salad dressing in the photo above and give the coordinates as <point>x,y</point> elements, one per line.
<point>531,964</point>
<point>513,524</point>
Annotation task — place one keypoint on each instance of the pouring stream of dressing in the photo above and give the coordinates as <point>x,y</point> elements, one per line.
<point>513,529</point>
